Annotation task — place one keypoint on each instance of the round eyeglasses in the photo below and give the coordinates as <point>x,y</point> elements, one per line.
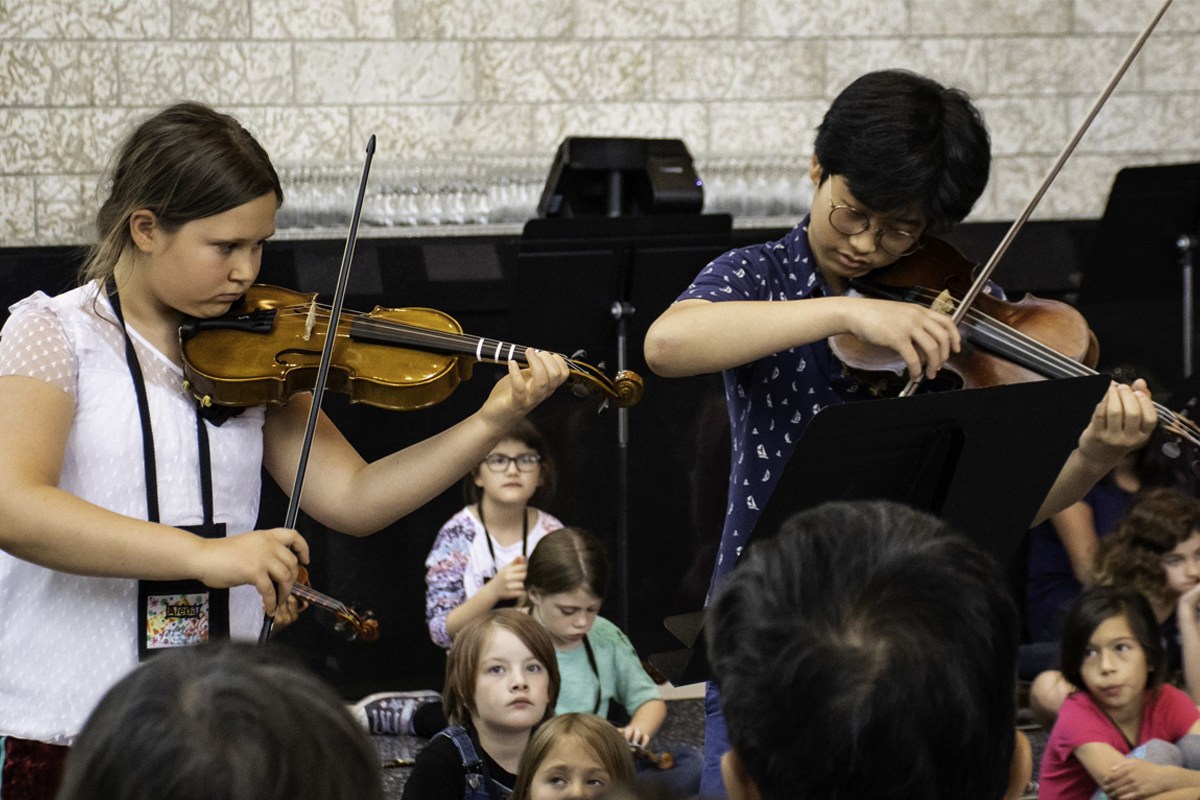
<point>526,462</point>
<point>850,221</point>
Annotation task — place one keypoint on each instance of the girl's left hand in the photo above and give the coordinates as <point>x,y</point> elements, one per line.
<point>521,390</point>
<point>1189,603</point>
<point>634,736</point>
<point>1134,779</point>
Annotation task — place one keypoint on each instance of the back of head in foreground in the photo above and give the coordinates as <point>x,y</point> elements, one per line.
<point>867,651</point>
<point>222,722</point>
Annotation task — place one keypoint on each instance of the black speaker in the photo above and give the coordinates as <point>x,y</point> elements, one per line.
<point>614,177</point>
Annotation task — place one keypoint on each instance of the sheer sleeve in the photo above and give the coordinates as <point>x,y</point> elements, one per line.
<point>33,344</point>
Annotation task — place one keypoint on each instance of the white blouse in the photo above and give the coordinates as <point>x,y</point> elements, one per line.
<point>66,639</point>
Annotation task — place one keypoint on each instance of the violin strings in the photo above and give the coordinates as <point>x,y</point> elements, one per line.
<point>483,348</point>
<point>997,333</point>
<point>313,596</point>
<point>1046,360</point>
<point>464,344</point>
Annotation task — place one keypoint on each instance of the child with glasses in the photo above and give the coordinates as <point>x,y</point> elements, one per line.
<point>896,156</point>
<point>478,558</point>
<point>477,564</point>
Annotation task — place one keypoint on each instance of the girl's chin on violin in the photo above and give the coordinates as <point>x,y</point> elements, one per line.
<point>214,307</point>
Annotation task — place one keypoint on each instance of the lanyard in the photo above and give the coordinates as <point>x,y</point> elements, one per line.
<point>173,613</point>
<point>139,388</point>
<point>591,656</point>
<point>487,537</point>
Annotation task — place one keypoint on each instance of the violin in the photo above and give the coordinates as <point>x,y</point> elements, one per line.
<point>356,624</point>
<point>663,760</point>
<point>1003,341</point>
<point>269,346</point>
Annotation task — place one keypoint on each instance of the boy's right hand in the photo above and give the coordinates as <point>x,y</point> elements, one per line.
<point>509,583</point>
<point>923,338</point>
<point>265,559</point>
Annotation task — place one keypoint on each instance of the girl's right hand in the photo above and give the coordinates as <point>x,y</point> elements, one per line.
<point>509,583</point>
<point>265,559</point>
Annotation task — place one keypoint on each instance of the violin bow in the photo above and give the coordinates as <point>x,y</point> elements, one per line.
<point>335,313</point>
<point>984,274</point>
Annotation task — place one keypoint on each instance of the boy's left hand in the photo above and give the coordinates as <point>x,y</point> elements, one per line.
<point>1124,419</point>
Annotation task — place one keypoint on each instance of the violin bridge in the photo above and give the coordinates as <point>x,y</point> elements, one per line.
<point>944,303</point>
<point>311,321</point>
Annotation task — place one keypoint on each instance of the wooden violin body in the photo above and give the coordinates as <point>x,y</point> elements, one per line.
<point>1004,342</point>
<point>269,347</point>
<point>663,760</point>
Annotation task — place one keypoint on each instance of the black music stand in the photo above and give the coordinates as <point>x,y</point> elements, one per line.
<point>981,459</point>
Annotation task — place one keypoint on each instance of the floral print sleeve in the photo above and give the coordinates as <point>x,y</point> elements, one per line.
<point>444,570</point>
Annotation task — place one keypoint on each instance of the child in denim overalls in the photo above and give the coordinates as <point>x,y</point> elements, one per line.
<point>501,682</point>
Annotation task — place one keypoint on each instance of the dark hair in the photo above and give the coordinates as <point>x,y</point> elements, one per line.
<point>222,722</point>
<point>565,560</point>
<point>186,162</point>
<point>462,663</point>
<point>902,141</point>
<point>596,733</point>
<point>1157,521</point>
<point>527,434</point>
<point>867,651</point>
<point>1094,606</point>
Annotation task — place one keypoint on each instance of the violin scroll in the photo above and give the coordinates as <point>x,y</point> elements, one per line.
<point>663,760</point>
<point>351,621</point>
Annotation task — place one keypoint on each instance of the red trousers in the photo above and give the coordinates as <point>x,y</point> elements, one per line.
<point>31,770</point>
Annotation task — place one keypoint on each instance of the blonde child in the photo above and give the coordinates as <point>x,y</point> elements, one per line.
<point>501,682</point>
<point>573,756</point>
<point>1111,649</point>
<point>478,558</point>
<point>566,582</point>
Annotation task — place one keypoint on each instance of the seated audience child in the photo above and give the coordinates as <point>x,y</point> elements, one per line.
<point>1156,550</point>
<point>221,722</point>
<point>477,561</point>
<point>501,683</point>
<point>566,583</point>
<point>1111,649</point>
<point>866,651</point>
<point>573,756</point>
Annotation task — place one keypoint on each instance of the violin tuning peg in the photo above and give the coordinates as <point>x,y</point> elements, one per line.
<point>579,390</point>
<point>579,355</point>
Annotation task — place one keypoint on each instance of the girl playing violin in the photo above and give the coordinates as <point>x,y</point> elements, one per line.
<point>126,516</point>
<point>897,155</point>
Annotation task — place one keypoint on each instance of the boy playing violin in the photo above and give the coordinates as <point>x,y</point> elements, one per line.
<point>896,156</point>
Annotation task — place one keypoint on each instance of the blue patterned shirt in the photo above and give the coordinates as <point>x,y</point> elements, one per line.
<point>771,400</point>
